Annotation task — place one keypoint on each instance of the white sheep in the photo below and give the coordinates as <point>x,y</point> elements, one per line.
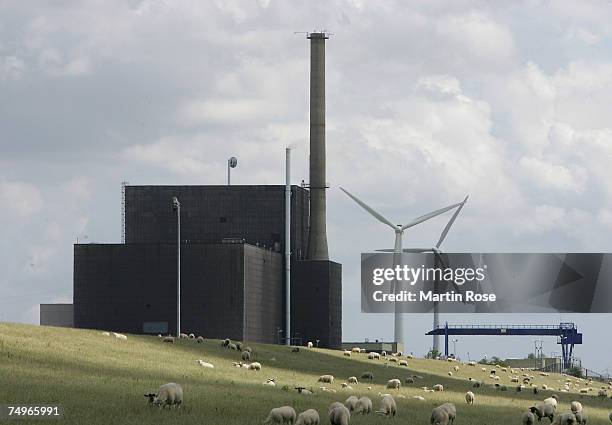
<point>245,356</point>
<point>346,386</point>
<point>469,397</point>
<point>438,387</point>
<point>393,359</point>
<point>339,415</point>
<point>373,356</point>
<point>450,373</point>
<point>387,406</point>
<point>581,417</point>
<point>271,382</point>
<point>456,368</point>
<point>191,336</point>
<point>308,417</point>
<point>169,339</point>
<point>232,346</point>
<point>200,339</point>
<point>403,362</point>
<point>170,394</point>
<point>255,366</point>
<point>328,379</point>
<point>363,406</point>
<point>356,350</point>
<point>281,415</point>
<point>351,402</point>
<point>206,364</point>
<point>105,333</point>
<point>225,342</point>
<point>543,410</point>
<point>352,380</point>
<point>552,401</point>
<point>310,345</point>
<point>119,336</point>
<point>183,336</point>
<point>528,418</point>
<point>347,353</point>
<point>394,384</point>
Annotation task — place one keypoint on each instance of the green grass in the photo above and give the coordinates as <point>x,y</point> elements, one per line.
<point>101,380</point>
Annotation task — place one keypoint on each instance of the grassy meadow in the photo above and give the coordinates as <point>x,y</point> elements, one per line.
<point>102,380</point>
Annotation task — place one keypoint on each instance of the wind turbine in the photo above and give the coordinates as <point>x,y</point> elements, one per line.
<point>398,333</point>
<point>438,259</point>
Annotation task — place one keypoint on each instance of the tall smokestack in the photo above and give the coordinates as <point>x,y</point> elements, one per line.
<point>317,236</point>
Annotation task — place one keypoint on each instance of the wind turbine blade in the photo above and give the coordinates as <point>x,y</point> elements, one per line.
<point>428,216</point>
<point>369,209</point>
<point>408,250</point>
<point>450,223</point>
<point>445,265</point>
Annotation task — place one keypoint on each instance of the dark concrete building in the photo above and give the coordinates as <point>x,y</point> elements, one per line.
<point>232,282</point>
<point>56,315</point>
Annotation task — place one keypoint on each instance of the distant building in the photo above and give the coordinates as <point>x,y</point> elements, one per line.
<point>389,347</point>
<point>232,268</point>
<point>56,315</point>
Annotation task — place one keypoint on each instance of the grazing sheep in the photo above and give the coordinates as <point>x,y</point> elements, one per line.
<point>552,400</point>
<point>602,393</point>
<point>451,410</point>
<point>105,333</point>
<point>347,353</point>
<point>403,362</point>
<point>439,416</point>
<point>304,390</point>
<point>456,368</point>
<point>367,375</point>
<point>373,356</point>
<point>281,415</point>
<point>519,388</point>
<point>191,336</point>
<point>409,381</point>
<point>477,384</point>
<point>339,415</point>
<point>328,379</point>
<point>206,364</point>
<point>119,336</point>
<point>351,402</point>
<point>352,380</point>
<point>239,346</point>
<point>169,394</point>
<point>469,397</point>
<point>245,356</point>
<point>483,369</point>
<point>346,385</point>
<point>271,382</point>
<point>183,336</point>
<point>310,345</point>
<point>255,366</point>
<point>387,406</point>
<point>225,343</point>
<point>450,373</point>
<point>528,418</point>
<point>544,386</point>
<point>363,406</point>
<point>308,417</point>
<point>565,419</point>
<point>394,384</point>
<point>249,349</point>
<point>438,387</point>
<point>200,339</point>
<point>356,350</point>
<point>393,359</point>
<point>383,353</point>
<point>232,346</point>
<point>409,356</point>
<point>543,410</point>
<point>169,339</point>
<point>581,417</point>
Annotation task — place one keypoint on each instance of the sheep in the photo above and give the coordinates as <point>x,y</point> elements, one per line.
<point>271,382</point>
<point>469,397</point>
<point>169,339</point>
<point>183,336</point>
<point>472,363</point>
<point>356,350</point>
<point>347,353</point>
<point>602,393</point>
<point>310,345</point>
<point>327,390</point>
<point>403,363</point>
<point>394,384</point>
<point>477,384</point>
<point>308,417</point>
<point>418,397</point>
<point>170,394</point>
<point>543,410</point>
<point>200,339</point>
<point>483,369</point>
<point>581,417</point>
<point>409,356</point>
<point>565,419</point>
<point>383,353</point>
<point>303,390</point>
<point>351,402</point>
<point>409,381</point>
<point>281,415</point>
<point>119,336</point>
<point>439,416</point>
<point>328,379</point>
<point>367,375</point>
<point>225,343</point>
<point>373,356</point>
<point>352,380</point>
<point>339,415</point>
<point>363,406</point>
<point>334,405</point>
<point>552,400</point>
<point>256,366</point>
<point>346,385</point>
<point>519,388</point>
<point>535,390</point>
<point>451,410</point>
<point>105,333</point>
<point>393,359</point>
<point>450,373</point>
<point>191,336</point>
<point>584,390</point>
<point>232,346</point>
<point>387,406</point>
<point>438,387</point>
<point>245,356</point>
<point>544,386</point>
<point>528,418</point>
<point>238,346</point>
<point>456,368</point>
<point>206,364</point>
<point>249,349</point>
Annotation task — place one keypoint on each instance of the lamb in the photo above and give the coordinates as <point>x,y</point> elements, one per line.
<point>367,375</point>
<point>352,380</point>
<point>328,379</point>
<point>169,339</point>
<point>552,400</point>
<point>281,415</point>
<point>387,406</point>
<point>339,415</point>
<point>363,406</point>
<point>200,339</point>
<point>310,345</point>
<point>206,364</point>
<point>308,417</point>
<point>245,356</point>
<point>394,384</point>
<point>581,417</point>
<point>439,416</point>
<point>383,353</point>
<point>119,336</point>
<point>351,402</point>
<point>528,418</point>
<point>255,366</point>
<point>469,397</point>
<point>170,395</point>
<point>543,410</point>
<point>347,353</point>
<point>565,419</point>
<point>438,387</point>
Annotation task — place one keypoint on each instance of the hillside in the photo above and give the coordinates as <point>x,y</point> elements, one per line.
<point>102,380</point>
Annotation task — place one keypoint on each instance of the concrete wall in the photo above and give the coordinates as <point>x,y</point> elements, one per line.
<point>56,315</point>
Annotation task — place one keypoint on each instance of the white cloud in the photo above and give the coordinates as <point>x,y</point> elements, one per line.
<point>23,199</point>
<point>11,68</point>
<point>553,176</point>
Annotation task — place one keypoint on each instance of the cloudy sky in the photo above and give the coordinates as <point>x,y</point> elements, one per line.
<point>427,101</point>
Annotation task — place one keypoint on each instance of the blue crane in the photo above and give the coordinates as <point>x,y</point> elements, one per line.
<point>567,334</point>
